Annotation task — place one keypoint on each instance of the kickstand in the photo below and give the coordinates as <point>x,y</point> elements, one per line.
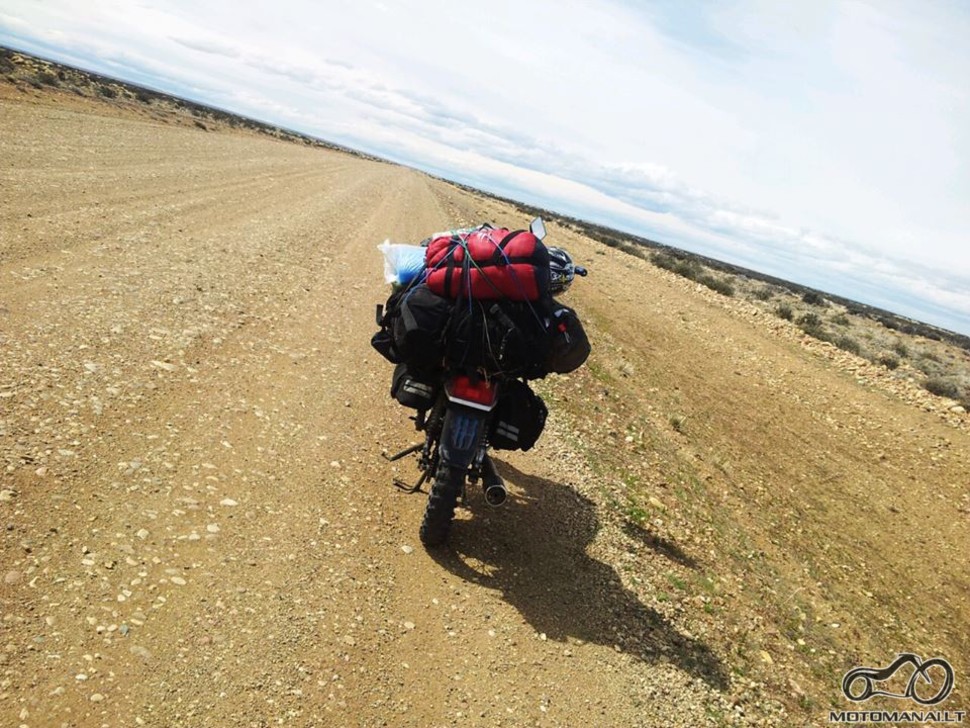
<point>403,453</point>
<point>401,485</point>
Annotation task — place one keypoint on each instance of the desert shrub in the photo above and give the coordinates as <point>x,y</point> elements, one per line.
<point>809,321</point>
<point>143,96</point>
<point>6,65</point>
<point>813,298</point>
<point>107,91</point>
<point>47,78</point>
<point>811,324</point>
<point>784,311</point>
<point>888,360</point>
<point>764,294</point>
<point>202,126</point>
<point>689,269</point>
<point>823,335</point>
<point>840,320</point>
<point>942,387</point>
<point>900,348</point>
<point>681,266</point>
<point>847,343</point>
<point>929,368</point>
<point>716,284</point>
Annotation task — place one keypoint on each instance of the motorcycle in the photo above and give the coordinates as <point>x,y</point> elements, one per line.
<point>455,452</point>
<point>462,422</point>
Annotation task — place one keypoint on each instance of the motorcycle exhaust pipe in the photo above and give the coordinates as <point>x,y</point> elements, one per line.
<point>492,484</point>
<point>495,494</point>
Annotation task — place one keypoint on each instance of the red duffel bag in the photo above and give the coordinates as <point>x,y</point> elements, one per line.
<point>490,263</point>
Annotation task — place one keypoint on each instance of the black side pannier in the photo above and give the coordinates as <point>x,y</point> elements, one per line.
<point>519,417</point>
<point>568,345</point>
<point>412,328</point>
<point>411,391</point>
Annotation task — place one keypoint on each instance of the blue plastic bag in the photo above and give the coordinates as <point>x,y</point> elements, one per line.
<point>402,263</point>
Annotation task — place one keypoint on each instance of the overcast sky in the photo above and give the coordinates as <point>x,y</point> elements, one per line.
<point>823,142</point>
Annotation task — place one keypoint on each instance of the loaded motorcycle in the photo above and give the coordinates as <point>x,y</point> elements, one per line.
<point>463,361</point>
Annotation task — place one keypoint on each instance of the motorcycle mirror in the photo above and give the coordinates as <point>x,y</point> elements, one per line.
<point>538,228</point>
<point>580,271</point>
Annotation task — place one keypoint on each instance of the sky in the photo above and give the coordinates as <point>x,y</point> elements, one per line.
<point>826,143</point>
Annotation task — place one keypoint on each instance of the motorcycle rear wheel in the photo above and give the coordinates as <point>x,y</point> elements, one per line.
<point>440,511</point>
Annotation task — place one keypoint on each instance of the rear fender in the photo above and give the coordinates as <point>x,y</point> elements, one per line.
<point>462,434</point>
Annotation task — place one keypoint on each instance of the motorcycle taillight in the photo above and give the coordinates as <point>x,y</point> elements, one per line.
<point>481,392</point>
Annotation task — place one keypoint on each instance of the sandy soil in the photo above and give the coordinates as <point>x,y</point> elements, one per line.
<point>198,529</point>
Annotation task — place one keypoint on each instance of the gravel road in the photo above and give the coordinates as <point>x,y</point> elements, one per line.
<point>198,529</point>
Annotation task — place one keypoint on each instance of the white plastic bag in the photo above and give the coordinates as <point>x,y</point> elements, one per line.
<point>402,263</point>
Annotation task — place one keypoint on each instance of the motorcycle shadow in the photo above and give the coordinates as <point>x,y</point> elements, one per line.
<point>534,552</point>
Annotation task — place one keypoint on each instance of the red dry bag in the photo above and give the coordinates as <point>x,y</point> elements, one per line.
<point>489,263</point>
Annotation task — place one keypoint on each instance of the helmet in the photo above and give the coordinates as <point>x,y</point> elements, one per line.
<point>561,270</point>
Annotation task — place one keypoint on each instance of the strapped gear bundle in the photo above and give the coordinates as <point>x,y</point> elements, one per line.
<point>484,301</point>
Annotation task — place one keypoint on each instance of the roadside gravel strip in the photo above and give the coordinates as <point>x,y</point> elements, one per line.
<point>198,529</point>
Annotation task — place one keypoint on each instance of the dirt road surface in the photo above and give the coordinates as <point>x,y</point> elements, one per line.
<point>198,529</point>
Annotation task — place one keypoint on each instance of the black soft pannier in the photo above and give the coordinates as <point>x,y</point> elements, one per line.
<point>419,327</point>
<point>568,345</point>
<point>519,417</point>
<point>412,328</point>
<point>412,391</point>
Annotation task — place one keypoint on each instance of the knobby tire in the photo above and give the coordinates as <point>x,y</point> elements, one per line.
<point>440,510</point>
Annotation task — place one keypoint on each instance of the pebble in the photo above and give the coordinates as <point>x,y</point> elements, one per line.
<point>407,549</point>
<point>178,580</point>
<point>228,502</point>
<point>212,528</point>
<point>139,651</point>
<point>97,698</point>
<point>12,577</point>
<point>409,625</point>
<point>142,533</point>
<point>6,496</point>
